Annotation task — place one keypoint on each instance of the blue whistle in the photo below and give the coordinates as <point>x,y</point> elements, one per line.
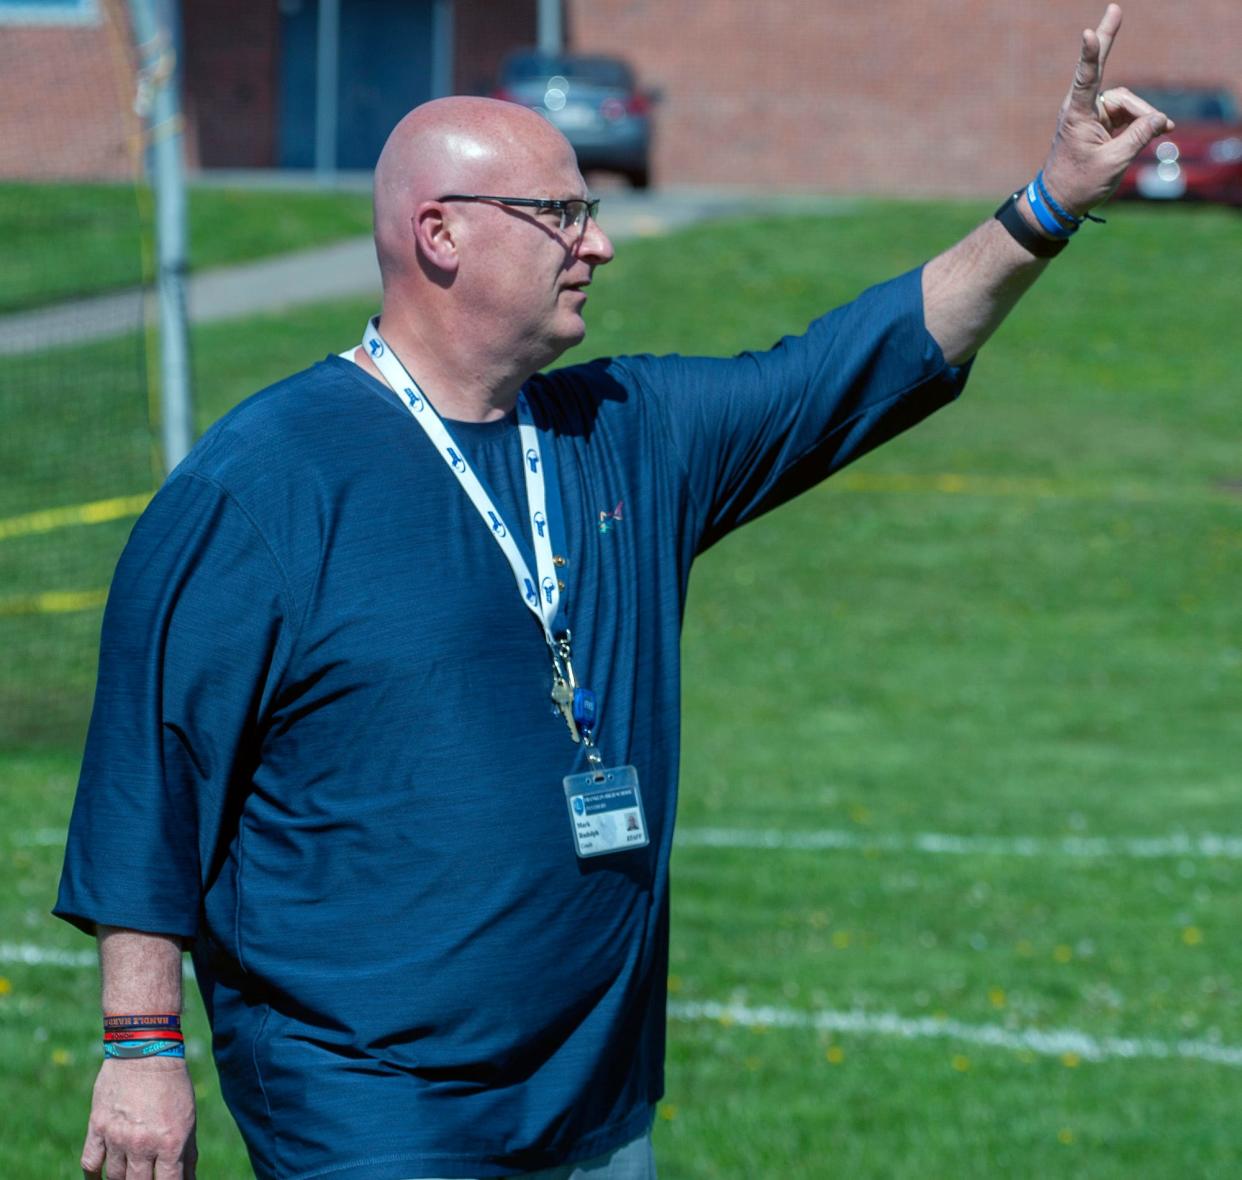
<point>584,708</point>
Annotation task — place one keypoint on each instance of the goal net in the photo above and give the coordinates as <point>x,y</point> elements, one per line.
<point>76,438</point>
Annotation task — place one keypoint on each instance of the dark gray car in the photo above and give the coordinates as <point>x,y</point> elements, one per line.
<point>593,100</point>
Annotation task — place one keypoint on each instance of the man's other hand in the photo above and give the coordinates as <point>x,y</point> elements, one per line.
<point>142,1122</point>
<point>1099,132</point>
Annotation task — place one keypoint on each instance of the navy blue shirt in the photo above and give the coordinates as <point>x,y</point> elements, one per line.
<point>322,746</point>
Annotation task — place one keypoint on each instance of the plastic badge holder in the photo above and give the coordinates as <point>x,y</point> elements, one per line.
<point>606,811</point>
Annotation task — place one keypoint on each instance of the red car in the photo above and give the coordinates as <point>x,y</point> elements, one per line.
<point>1201,159</point>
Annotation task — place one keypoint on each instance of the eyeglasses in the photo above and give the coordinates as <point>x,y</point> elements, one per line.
<point>574,211</point>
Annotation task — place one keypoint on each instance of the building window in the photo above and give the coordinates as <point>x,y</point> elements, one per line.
<point>49,12</point>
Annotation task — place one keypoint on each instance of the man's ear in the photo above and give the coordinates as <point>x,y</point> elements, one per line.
<point>434,236</point>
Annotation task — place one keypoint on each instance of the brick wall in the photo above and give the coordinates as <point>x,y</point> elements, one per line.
<point>483,32</point>
<point>66,93</point>
<point>229,80</point>
<point>957,96</point>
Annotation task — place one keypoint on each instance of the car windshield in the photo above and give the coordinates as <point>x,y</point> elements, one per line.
<point>1193,106</point>
<point>599,71</point>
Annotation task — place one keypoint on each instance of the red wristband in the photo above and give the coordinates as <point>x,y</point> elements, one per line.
<point>143,1034</point>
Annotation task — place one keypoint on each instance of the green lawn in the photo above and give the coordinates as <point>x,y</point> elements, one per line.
<point>1016,624</point>
<point>66,240</point>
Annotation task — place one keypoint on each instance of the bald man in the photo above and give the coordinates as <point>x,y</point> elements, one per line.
<point>387,719</point>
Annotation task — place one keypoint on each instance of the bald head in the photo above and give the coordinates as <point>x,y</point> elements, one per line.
<point>455,145</point>
<point>481,292</point>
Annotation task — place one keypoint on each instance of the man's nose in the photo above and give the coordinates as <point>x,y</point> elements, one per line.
<point>595,245</point>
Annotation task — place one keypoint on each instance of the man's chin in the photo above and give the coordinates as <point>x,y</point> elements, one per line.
<point>572,331</point>
<point>556,339</point>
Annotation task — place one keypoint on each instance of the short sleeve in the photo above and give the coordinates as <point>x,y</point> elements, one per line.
<point>197,624</point>
<point>754,430</point>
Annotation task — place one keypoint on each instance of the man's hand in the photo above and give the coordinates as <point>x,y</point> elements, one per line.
<point>142,1122</point>
<point>1098,132</point>
<point>970,288</point>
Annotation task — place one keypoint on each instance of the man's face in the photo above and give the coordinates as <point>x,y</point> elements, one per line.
<point>530,274</point>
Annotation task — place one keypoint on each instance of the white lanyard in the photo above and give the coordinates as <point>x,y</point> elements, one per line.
<point>543,598</point>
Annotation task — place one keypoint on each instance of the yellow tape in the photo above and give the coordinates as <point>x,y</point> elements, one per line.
<point>97,512</point>
<point>101,511</point>
<point>1031,486</point>
<point>53,602</point>
<point>947,482</point>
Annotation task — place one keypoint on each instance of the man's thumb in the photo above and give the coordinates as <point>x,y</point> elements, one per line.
<point>1142,131</point>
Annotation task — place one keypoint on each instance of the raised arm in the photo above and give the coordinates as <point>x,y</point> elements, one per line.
<point>142,1110</point>
<point>971,287</point>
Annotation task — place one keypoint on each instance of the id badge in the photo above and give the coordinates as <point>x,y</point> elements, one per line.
<point>606,811</point>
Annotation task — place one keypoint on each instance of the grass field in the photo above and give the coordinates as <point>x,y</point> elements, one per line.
<point>958,880</point>
<point>63,240</point>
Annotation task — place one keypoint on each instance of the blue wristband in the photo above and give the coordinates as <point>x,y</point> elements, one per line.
<point>1063,214</point>
<point>1046,218</point>
<point>137,1049</point>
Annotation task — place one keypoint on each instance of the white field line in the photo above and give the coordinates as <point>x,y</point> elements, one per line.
<point>1205,846</point>
<point>1208,845</point>
<point>1053,1042</point>
<point>45,956</point>
<point>28,955</point>
<point>40,838</point>
<point>1050,1042</point>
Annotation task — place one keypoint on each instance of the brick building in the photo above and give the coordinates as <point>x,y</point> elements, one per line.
<point>66,91</point>
<point>941,97</point>
<point>951,97</point>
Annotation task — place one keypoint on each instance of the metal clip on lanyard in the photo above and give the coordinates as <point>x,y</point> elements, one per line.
<point>576,704</point>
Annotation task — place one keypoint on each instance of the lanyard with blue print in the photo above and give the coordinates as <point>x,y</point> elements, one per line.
<point>542,592</point>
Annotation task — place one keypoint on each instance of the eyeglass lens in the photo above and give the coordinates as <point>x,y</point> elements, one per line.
<point>575,213</point>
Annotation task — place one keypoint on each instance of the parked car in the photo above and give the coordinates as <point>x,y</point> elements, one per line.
<point>594,100</point>
<point>1201,159</point>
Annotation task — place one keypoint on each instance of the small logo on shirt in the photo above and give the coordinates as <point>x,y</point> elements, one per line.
<point>548,587</point>
<point>532,459</point>
<point>541,522</point>
<point>457,462</point>
<point>376,345</point>
<point>498,525</point>
<point>608,520</point>
<point>416,402</point>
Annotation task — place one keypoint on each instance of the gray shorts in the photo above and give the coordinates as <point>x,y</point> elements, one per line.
<point>632,1161</point>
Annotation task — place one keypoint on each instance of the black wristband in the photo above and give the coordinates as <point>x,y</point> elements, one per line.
<point>1020,230</point>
